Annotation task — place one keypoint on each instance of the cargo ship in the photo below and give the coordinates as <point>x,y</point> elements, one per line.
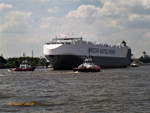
<point>68,53</point>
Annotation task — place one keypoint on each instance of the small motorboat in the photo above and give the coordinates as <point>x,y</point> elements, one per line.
<point>88,66</point>
<point>23,67</point>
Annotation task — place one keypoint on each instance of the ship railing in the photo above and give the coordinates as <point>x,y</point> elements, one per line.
<point>65,41</point>
<point>112,46</point>
<point>58,43</point>
<point>68,38</point>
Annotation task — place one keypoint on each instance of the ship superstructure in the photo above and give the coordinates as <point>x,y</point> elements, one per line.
<point>67,53</point>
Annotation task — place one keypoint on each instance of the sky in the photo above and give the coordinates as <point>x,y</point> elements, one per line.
<point>25,25</point>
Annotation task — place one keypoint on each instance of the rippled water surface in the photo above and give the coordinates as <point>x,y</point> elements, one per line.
<point>124,90</point>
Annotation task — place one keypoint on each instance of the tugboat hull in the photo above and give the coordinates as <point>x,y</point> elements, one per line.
<point>87,70</point>
<point>21,69</point>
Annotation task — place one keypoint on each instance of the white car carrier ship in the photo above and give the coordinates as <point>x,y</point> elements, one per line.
<point>67,53</point>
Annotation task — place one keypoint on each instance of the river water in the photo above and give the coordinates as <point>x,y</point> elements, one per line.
<point>125,90</point>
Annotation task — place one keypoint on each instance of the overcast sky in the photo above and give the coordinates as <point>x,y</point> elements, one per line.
<point>25,25</point>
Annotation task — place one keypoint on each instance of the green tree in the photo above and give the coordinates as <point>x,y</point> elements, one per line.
<point>15,62</point>
<point>2,62</point>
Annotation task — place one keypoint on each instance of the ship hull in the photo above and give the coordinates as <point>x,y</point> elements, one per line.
<point>61,62</point>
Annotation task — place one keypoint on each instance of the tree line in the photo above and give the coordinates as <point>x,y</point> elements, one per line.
<point>16,61</point>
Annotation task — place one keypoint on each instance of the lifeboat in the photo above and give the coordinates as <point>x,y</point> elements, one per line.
<point>88,66</point>
<point>23,67</point>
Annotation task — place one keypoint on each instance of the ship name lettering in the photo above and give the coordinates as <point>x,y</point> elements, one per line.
<point>94,50</point>
<point>107,51</point>
<point>102,51</point>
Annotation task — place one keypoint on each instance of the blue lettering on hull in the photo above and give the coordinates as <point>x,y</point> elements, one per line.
<point>102,51</point>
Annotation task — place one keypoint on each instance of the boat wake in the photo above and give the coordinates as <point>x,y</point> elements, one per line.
<point>1,75</point>
<point>76,72</point>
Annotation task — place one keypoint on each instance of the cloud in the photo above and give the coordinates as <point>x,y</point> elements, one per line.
<point>131,14</point>
<point>147,35</point>
<point>90,14</point>
<point>130,6</point>
<point>41,0</point>
<point>17,33</point>
<point>112,9</point>
<point>15,21</point>
<point>54,10</point>
<point>84,11</point>
<point>5,6</point>
<point>55,0</point>
<point>146,38</point>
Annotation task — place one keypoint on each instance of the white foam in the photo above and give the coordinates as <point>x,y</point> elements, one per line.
<point>76,72</point>
<point>2,75</point>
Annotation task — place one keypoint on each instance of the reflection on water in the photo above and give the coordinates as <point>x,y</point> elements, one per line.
<point>45,91</point>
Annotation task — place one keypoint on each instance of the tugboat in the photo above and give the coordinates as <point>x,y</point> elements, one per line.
<point>87,66</point>
<point>23,67</point>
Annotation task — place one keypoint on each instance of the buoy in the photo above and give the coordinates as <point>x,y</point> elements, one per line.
<point>32,103</point>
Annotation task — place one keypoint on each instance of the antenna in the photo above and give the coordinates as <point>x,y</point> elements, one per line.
<point>24,55</point>
<point>32,53</point>
<point>89,52</point>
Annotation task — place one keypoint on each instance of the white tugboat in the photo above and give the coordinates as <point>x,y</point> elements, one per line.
<point>88,66</point>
